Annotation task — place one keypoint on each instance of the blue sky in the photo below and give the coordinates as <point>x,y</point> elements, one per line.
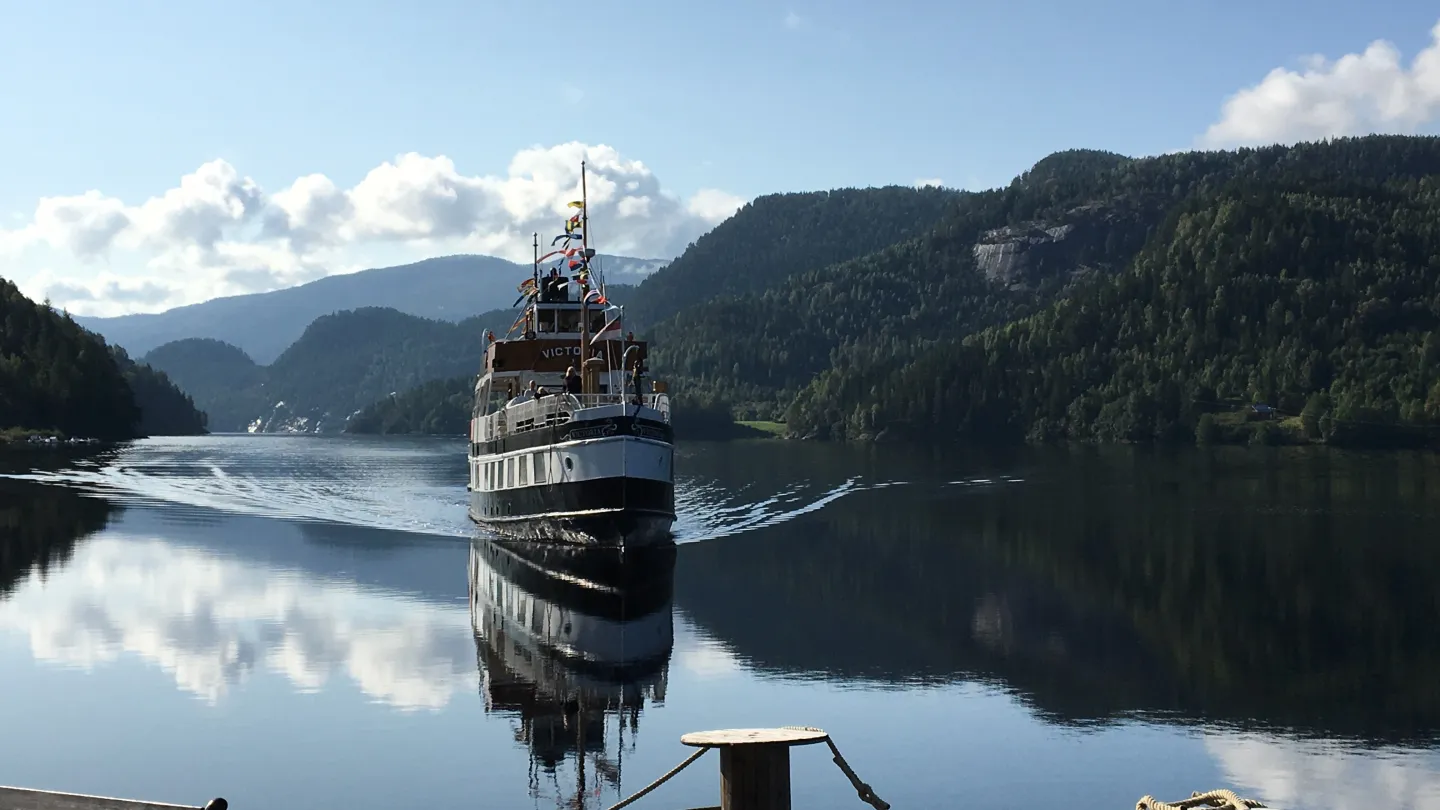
<point>727,100</point>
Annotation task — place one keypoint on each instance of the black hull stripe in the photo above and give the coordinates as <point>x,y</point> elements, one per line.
<point>577,431</point>
<point>575,498</point>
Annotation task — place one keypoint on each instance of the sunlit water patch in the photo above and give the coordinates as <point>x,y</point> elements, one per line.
<point>404,485</point>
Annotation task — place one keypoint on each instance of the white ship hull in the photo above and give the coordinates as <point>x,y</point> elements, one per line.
<point>605,477</point>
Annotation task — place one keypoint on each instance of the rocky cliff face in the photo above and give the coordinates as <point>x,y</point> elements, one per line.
<point>1010,255</point>
<point>1083,239</point>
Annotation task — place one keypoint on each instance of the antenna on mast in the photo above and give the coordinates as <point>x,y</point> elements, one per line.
<point>584,216</point>
<point>535,266</point>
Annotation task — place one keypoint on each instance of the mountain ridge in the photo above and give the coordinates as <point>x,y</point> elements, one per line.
<point>263,325</point>
<point>343,362</point>
<point>860,314</point>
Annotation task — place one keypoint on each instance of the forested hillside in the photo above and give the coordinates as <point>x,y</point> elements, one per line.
<point>1084,241</point>
<point>1302,278</point>
<point>436,407</point>
<point>219,376</point>
<point>781,235</point>
<point>56,376</point>
<point>994,257</point>
<point>342,363</point>
<point>1096,297</point>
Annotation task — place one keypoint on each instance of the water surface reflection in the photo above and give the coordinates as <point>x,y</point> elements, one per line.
<point>569,640</point>
<point>1048,623</point>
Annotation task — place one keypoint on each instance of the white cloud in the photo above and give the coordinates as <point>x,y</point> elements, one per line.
<point>1326,775</point>
<point>793,20</point>
<point>1359,93</point>
<point>218,233</point>
<point>929,181</point>
<point>709,204</point>
<point>103,289</point>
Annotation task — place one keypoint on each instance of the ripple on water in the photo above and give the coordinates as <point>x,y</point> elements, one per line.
<point>398,484</point>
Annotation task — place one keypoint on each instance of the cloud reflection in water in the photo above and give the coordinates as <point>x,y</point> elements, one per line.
<point>212,622</point>
<point>1326,774</point>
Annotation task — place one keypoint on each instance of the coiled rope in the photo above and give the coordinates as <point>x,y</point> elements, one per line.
<point>863,790</point>
<point>1223,799</point>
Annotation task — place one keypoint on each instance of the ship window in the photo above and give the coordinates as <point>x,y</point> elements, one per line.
<point>569,320</point>
<point>597,322</point>
<point>546,320</point>
<point>524,463</point>
<point>510,472</point>
<point>539,468</point>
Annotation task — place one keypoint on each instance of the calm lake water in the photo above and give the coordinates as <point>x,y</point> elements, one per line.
<point>287,622</point>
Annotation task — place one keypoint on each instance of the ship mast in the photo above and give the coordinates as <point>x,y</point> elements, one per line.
<point>584,284</point>
<point>584,222</point>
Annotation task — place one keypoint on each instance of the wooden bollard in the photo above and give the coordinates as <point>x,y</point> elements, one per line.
<point>755,763</point>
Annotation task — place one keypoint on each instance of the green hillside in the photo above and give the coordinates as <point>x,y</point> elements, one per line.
<point>1303,278</point>
<point>58,377</point>
<point>1096,297</point>
<point>342,363</point>
<point>778,236</point>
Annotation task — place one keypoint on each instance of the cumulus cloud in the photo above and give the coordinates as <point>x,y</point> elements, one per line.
<point>213,623</point>
<point>929,181</point>
<point>1357,94</point>
<point>219,233</point>
<point>793,20</point>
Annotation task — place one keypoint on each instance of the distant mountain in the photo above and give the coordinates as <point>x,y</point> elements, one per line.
<point>262,325</point>
<point>226,383</point>
<point>340,364</point>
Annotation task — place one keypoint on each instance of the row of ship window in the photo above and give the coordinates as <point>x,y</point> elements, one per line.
<point>516,471</point>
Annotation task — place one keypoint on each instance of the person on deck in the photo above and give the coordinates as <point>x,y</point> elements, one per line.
<point>555,285</point>
<point>572,381</point>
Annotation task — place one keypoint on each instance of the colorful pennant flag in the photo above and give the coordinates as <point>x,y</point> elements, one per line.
<point>611,327</point>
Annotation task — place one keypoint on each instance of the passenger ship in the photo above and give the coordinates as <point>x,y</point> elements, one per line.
<point>565,443</point>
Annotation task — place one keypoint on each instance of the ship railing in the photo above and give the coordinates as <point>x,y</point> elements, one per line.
<point>554,409</point>
<point>659,402</point>
<point>551,409</point>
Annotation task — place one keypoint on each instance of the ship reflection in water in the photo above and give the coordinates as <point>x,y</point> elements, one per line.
<point>571,640</point>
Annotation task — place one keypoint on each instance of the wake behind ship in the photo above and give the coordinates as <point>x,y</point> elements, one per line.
<point>566,443</point>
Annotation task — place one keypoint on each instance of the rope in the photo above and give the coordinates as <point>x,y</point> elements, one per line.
<point>658,782</point>
<point>863,790</point>
<point>1222,799</point>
